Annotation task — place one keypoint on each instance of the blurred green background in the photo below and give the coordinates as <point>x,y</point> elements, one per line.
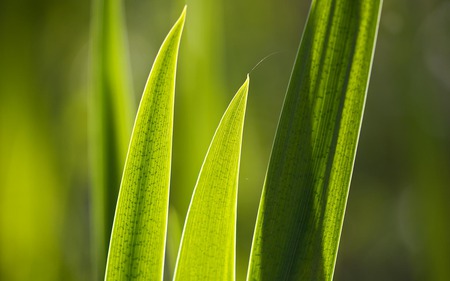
<point>397,225</point>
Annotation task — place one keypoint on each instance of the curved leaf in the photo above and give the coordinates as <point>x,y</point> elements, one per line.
<point>138,238</point>
<point>305,193</point>
<point>208,243</point>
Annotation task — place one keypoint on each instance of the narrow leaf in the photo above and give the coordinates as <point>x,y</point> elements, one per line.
<point>302,207</point>
<point>138,239</point>
<point>207,250</point>
<point>110,120</point>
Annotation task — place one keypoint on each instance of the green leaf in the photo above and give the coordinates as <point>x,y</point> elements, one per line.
<point>110,120</point>
<point>305,193</point>
<point>138,238</point>
<point>208,243</point>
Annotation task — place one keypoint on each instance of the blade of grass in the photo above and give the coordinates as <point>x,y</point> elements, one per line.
<point>208,244</point>
<point>110,120</point>
<point>305,193</point>
<point>138,237</point>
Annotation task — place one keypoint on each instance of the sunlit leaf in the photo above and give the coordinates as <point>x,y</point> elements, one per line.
<point>138,237</point>
<point>208,244</point>
<point>305,192</point>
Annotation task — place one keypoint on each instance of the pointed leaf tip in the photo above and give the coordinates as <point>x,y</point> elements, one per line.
<point>138,237</point>
<point>183,15</point>
<point>245,86</point>
<point>207,249</point>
